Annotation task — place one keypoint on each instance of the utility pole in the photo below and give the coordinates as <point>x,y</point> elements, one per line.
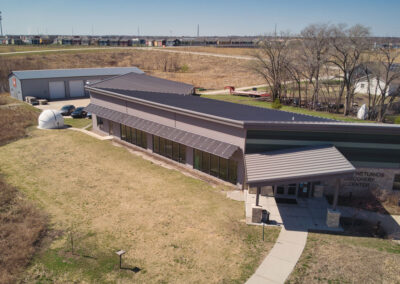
<point>138,31</point>
<point>1,25</point>
<point>198,30</point>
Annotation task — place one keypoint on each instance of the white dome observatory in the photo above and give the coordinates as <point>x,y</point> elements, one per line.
<point>50,119</point>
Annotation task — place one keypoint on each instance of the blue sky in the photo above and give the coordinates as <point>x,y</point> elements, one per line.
<point>178,17</point>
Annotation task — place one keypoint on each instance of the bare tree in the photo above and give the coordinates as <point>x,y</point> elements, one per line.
<point>347,46</point>
<point>271,60</point>
<point>383,79</point>
<point>314,54</point>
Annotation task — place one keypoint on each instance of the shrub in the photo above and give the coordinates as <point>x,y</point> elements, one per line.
<point>276,104</point>
<point>397,120</point>
<point>184,68</point>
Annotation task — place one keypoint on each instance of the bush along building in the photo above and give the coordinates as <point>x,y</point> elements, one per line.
<point>279,153</point>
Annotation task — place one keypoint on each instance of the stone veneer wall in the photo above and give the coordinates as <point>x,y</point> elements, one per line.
<point>364,179</point>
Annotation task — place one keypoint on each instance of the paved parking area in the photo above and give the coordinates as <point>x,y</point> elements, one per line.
<point>59,104</point>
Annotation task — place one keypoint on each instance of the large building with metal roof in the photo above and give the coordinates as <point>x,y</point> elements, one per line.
<point>283,153</point>
<point>53,84</point>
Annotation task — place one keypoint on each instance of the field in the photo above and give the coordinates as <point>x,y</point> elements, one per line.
<point>174,228</point>
<point>188,68</point>
<point>347,259</point>
<point>15,116</point>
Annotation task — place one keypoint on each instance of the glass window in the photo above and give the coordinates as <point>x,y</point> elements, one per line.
<point>128,134</point>
<point>168,148</point>
<point>175,151</point>
<point>162,146</point>
<point>134,136</point>
<point>156,144</point>
<point>123,132</point>
<point>223,168</point>
<point>197,159</point>
<point>232,171</point>
<point>214,165</point>
<point>396,182</point>
<point>99,120</point>
<point>205,162</point>
<point>144,139</point>
<point>292,189</point>
<point>182,153</point>
<point>280,189</point>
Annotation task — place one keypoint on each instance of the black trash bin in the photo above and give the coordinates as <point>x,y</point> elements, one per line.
<point>265,217</point>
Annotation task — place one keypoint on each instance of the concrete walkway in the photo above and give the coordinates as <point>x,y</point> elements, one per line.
<point>296,220</point>
<point>281,260</point>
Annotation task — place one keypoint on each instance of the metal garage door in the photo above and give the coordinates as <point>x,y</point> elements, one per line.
<point>76,88</point>
<point>57,90</point>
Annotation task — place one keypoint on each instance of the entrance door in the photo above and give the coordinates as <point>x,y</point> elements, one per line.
<point>286,190</point>
<point>57,90</point>
<point>304,189</point>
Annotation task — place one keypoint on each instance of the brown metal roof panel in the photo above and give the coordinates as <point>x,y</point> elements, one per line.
<point>296,163</point>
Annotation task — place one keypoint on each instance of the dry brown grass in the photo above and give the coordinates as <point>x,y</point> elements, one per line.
<point>346,259</point>
<point>15,118</point>
<point>217,50</point>
<point>21,227</point>
<point>204,71</point>
<point>175,228</point>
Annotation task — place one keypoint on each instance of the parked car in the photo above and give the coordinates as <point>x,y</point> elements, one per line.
<point>89,115</point>
<point>79,112</point>
<point>67,110</point>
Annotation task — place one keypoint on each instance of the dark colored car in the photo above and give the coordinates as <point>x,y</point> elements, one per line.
<point>67,110</point>
<point>79,112</point>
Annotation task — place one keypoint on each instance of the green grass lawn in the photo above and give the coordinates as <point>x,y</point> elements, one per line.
<point>258,103</point>
<point>175,228</point>
<point>77,122</point>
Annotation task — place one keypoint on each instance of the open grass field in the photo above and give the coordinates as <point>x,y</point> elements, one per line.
<point>173,227</point>
<point>202,71</point>
<point>264,104</point>
<point>347,259</point>
<point>77,122</point>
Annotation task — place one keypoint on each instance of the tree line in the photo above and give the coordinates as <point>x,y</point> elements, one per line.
<point>321,69</point>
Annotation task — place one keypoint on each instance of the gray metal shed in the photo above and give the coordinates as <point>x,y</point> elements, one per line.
<point>55,84</point>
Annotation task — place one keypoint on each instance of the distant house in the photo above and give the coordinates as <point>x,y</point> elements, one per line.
<point>124,42</point>
<point>103,41</point>
<point>76,40</point>
<point>66,41</point>
<point>368,80</point>
<point>173,42</point>
<point>85,40</point>
<point>113,41</point>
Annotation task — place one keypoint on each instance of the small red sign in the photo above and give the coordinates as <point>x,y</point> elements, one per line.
<point>14,82</point>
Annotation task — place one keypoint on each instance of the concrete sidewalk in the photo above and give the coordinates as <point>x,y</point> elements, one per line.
<point>281,260</point>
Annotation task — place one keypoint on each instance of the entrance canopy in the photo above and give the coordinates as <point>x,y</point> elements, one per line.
<point>296,165</point>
